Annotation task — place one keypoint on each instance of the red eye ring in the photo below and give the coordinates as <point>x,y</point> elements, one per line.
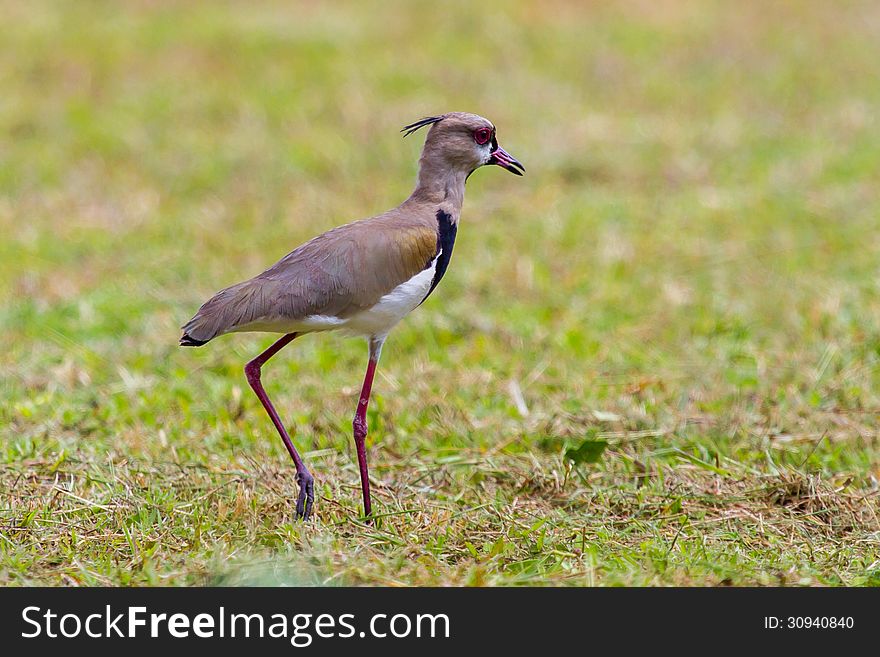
<point>482,135</point>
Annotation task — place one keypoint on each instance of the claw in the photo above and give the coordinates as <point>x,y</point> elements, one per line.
<point>306,497</point>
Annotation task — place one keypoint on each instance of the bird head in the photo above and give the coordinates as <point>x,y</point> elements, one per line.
<point>464,142</point>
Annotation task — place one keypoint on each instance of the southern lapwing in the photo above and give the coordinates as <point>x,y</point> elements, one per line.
<point>361,278</point>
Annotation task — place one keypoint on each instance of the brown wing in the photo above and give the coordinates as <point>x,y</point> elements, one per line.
<point>338,274</point>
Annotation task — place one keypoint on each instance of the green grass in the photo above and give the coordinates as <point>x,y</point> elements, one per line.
<point>688,271</point>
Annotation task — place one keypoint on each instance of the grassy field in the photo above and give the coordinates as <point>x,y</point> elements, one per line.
<point>688,271</point>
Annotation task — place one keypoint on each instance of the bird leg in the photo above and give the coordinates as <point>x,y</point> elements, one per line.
<point>360,421</point>
<point>303,476</point>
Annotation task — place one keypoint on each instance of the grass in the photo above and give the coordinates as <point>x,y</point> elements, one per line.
<point>688,271</point>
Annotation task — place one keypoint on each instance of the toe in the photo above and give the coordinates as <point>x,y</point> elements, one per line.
<point>306,497</point>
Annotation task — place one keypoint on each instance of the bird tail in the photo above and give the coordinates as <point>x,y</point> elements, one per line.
<point>186,340</point>
<point>222,313</point>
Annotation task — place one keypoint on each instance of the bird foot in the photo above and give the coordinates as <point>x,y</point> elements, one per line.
<point>306,497</point>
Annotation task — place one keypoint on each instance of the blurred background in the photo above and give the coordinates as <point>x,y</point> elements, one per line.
<point>688,271</point>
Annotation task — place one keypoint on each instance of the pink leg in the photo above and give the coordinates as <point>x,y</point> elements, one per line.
<point>303,477</point>
<point>360,422</point>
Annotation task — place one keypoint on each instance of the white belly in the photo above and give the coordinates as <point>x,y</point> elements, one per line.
<point>393,307</point>
<point>376,321</point>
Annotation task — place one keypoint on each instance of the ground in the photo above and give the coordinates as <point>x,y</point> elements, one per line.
<point>687,272</point>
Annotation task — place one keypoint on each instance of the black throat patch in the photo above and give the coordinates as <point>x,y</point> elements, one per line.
<point>446,230</point>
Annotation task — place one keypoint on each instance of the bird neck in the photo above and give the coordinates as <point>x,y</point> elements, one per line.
<point>441,184</point>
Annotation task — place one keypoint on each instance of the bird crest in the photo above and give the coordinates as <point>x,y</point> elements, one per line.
<point>421,123</point>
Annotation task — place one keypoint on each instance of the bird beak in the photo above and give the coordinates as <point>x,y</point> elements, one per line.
<point>505,160</point>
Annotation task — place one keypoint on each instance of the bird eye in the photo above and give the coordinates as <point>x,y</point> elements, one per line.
<point>482,135</point>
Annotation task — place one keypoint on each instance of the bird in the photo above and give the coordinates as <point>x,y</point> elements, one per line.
<point>360,278</point>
